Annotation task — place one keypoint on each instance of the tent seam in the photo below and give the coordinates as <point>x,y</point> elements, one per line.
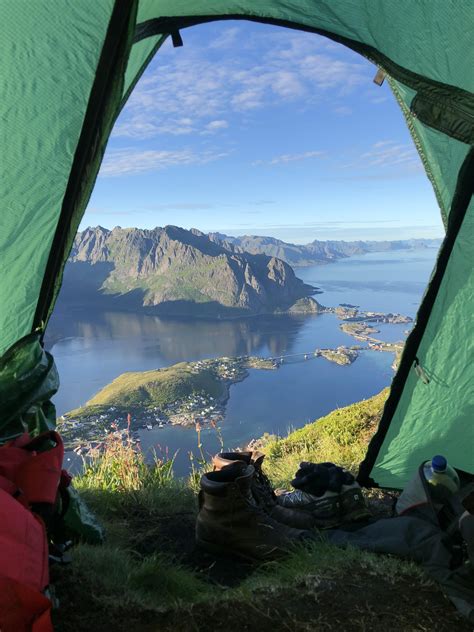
<point>404,75</point>
<point>87,144</point>
<point>419,146</point>
<point>148,59</point>
<point>459,207</point>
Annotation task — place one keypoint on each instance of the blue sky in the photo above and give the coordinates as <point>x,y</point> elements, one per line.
<point>255,129</point>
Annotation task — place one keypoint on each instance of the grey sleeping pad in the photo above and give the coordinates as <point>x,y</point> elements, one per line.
<point>417,535</point>
<point>416,538</point>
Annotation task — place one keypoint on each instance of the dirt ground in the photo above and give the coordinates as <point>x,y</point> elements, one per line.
<point>357,603</point>
<point>362,601</point>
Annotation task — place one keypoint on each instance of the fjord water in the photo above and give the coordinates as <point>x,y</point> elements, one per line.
<point>92,349</point>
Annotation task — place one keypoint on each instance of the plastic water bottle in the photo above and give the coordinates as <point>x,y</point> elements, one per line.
<point>442,478</point>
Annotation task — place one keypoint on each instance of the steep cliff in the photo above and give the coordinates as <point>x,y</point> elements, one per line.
<point>176,271</point>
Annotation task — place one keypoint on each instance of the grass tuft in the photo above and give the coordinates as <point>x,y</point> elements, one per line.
<point>122,468</point>
<point>321,561</point>
<point>117,578</point>
<point>341,437</point>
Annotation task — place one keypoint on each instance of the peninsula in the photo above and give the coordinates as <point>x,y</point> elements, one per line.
<point>196,393</point>
<point>183,394</point>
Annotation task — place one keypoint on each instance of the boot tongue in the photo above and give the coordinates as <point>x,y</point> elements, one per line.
<point>224,459</point>
<point>246,473</point>
<point>263,490</point>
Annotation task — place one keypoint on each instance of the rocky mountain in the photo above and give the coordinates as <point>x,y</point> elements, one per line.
<point>175,271</point>
<point>316,252</point>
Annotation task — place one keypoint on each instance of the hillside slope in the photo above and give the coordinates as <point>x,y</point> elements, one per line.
<point>158,387</point>
<point>340,437</point>
<point>149,576</point>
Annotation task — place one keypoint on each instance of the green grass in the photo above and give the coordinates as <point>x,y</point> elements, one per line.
<point>158,388</point>
<point>149,516</point>
<point>131,500</point>
<point>341,437</point>
<point>150,583</point>
<point>121,470</point>
<point>326,562</point>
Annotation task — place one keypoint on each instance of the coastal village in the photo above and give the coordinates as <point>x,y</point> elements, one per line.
<point>86,430</point>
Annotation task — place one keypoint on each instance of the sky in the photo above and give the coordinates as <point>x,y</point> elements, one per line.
<point>256,129</point>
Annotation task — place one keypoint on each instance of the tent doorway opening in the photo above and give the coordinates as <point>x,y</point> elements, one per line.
<point>330,173</point>
<point>435,97</point>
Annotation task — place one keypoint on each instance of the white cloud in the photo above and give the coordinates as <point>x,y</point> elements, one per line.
<point>226,39</point>
<point>180,206</point>
<point>215,126</point>
<point>138,128</point>
<point>132,161</point>
<point>186,89</point>
<point>388,153</point>
<point>379,99</point>
<point>285,158</point>
<point>262,202</point>
<point>343,110</point>
<point>383,143</point>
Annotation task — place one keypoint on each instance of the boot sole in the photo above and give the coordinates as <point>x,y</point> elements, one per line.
<point>221,550</point>
<point>355,516</point>
<point>320,523</point>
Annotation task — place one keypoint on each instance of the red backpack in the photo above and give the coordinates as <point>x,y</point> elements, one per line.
<point>30,472</point>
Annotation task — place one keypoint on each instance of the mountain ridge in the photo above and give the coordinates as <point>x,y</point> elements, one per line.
<point>317,251</point>
<point>175,271</point>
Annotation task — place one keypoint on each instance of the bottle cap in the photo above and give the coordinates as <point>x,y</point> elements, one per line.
<point>439,463</point>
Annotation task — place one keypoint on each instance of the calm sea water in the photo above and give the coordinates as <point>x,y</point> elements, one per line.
<point>92,349</point>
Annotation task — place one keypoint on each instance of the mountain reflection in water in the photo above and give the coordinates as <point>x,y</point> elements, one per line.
<point>91,349</point>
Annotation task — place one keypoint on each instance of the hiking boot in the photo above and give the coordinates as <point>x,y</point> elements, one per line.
<point>329,492</point>
<point>262,489</point>
<point>230,521</point>
<point>353,505</point>
<point>325,510</point>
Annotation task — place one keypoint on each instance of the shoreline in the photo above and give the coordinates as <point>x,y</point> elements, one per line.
<point>87,428</point>
<point>197,408</point>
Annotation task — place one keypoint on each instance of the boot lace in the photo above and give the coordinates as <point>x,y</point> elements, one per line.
<point>264,487</point>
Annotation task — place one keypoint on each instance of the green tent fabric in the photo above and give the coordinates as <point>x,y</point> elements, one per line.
<point>28,379</point>
<point>67,71</point>
<point>435,414</point>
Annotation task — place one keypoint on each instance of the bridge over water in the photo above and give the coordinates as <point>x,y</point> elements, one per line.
<point>298,357</point>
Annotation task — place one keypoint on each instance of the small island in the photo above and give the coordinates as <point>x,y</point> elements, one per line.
<point>341,355</point>
<point>359,325</point>
<point>360,330</point>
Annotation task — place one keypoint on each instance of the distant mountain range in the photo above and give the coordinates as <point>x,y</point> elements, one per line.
<point>316,252</point>
<point>175,271</point>
<point>180,272</point>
